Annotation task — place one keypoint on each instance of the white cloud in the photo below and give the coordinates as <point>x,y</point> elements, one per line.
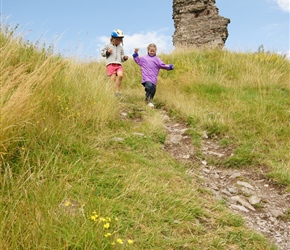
<point>284,5</point>
<point>141,41</point>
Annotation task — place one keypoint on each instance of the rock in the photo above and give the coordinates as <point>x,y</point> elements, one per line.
<point>243,202</point>
<point>207,171</point>
<point>241,208</point>
<point>166,118</point>
<point>204,135</point>
<point>198,24</point>
<point>276,213</point>
<point>182,131</point>
<point>235,175</point>
<point>175,139</point>
<point>247,192</point>
<point>254,200</point>
<point>233,190</point>
<point>214,186</point>
<point>245,184</point>
<point>224,191</point>
<point>217,195</point>
<point>216,175</point>
<point>215,153</point>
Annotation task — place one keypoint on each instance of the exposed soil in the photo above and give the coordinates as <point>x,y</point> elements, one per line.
<point>249,193</point>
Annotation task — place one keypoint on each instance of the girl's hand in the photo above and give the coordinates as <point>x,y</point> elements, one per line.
<point>110,50</point>
<point>136,50</point>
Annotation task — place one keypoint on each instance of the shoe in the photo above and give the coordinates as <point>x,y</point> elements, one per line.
<point>150,104</point>
<point>118,94</point>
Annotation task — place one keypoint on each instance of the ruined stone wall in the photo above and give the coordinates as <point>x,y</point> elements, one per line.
<point>198,24</point>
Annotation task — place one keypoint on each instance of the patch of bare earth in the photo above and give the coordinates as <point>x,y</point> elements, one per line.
<point>248,193</point>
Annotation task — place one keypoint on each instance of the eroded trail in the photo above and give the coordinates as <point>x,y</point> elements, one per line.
<point>257,199</point>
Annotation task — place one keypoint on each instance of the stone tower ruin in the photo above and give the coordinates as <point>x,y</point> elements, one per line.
<point>198,24</point>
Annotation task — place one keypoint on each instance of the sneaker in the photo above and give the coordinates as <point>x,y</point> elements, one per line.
<point>150,104</point>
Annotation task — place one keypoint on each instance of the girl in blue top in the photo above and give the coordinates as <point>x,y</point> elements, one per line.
<point>150,66</point>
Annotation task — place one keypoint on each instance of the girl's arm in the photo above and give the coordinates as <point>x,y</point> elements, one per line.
<point>162,65</point>
<point>104,51</point>
<point>136,56</point>
<point>123,57</point>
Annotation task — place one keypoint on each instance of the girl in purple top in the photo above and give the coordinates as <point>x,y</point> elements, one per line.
<point>150,66</point>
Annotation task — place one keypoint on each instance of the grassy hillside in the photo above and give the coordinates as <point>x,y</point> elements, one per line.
<point>74,175</point>
<point>243,99</point>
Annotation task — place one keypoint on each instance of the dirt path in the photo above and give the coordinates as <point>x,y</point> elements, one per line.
<point>257,199</point>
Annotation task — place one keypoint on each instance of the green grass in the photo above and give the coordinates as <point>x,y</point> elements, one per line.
<point>240,98</point>
<point>62,163</point>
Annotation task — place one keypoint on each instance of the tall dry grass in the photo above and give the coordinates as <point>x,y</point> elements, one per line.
<point>74,157</point>
<point>42,92</point>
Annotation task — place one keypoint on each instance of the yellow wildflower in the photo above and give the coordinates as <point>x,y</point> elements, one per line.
<point>130,241</point>
<point>94,217</point>
<point>102,219</point>
<point>120,241</point>
<point>108,234</point>
<point>107,225</point>
<point>67,203</point>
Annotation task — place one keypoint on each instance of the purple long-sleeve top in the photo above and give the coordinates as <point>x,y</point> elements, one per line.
<point>150,66</point>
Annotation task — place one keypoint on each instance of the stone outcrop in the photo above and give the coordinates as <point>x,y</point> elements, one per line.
<point>198,24</point>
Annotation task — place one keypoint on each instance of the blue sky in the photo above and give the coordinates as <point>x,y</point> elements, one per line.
<point>81,28</point>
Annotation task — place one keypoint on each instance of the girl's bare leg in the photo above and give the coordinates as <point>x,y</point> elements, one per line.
<point>113,80</point>
<point>119,81</point>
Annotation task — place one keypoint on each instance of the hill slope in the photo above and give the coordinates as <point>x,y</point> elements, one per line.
<point>74,158</point>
